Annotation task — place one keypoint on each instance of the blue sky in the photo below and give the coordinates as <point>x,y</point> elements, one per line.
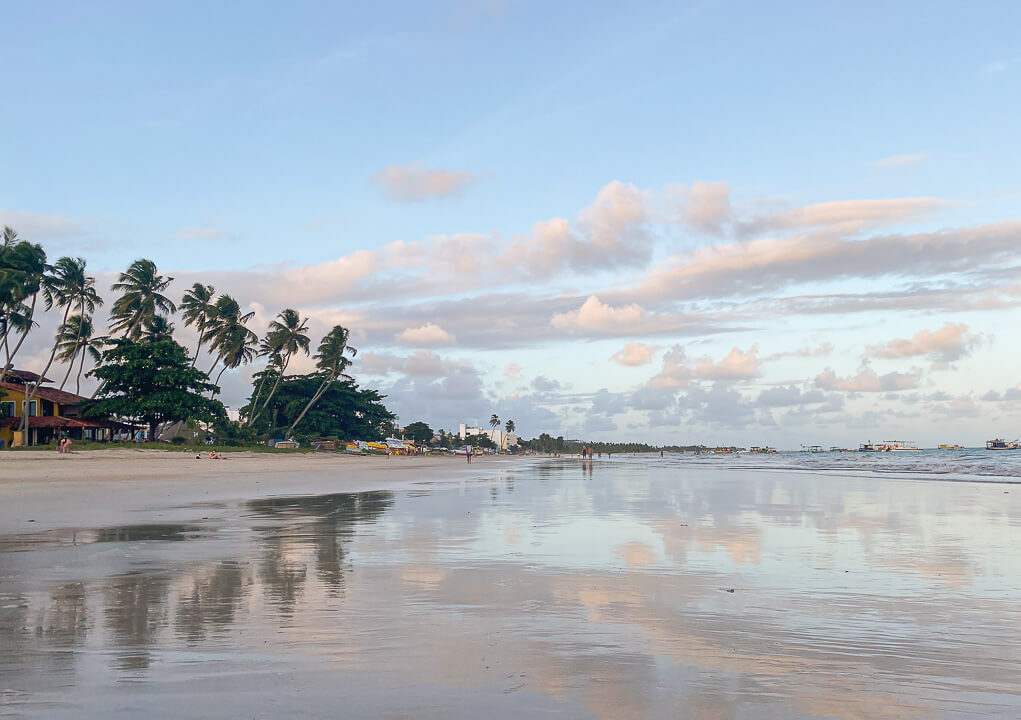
<point>281,152</point>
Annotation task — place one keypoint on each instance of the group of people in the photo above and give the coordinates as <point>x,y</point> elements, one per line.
<point>586,453</point>
<point>213,455</point>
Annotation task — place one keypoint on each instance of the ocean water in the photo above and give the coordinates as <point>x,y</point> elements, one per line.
<point>778,587</point>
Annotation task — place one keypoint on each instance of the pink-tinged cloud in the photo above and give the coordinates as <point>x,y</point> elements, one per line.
<point>703,206</point>
<point>867,380</point>
<point>634,354</point>
<point>756,266</point>
<point>597,315</point>
<point>737,365</point>
<point>949,343</point>
<point>676,371</point>
<point>429,334</point>
<point>512,372</point>
<point>848,215</point>
<point>413,183</point>
<point>819,351</point>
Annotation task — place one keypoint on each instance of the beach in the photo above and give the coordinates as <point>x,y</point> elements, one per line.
<point>640,587</point>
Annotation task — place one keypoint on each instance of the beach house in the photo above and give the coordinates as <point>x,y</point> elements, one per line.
<point>503,440</point>
<point>51,413</point>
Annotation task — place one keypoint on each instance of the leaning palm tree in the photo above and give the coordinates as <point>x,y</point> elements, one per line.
<point>494,421</point>
<point>286,336</point>
<point>22,270</point>
<point>509,427</point>
<point>228,336</point>
<point>67,286</point>
<point>77,339</point>
<point>197,309</point>
<point>331,363</point>
<point>141,300</point>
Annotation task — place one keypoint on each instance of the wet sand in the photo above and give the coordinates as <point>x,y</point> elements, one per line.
<point>624,589</point>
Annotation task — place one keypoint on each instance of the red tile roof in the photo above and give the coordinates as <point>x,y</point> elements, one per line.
<point>25,375</point>
<point>53,421</point>
<point>52,394</point>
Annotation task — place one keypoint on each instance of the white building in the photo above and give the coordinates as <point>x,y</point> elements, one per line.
<point>501,439</point>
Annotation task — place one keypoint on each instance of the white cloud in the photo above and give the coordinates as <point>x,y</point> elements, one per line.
<point>949,343</point>
<point>900,160</point>
<point>38,227</point>
<point>512,372</point>
<point>428,334</point>
<point>413,183</point>
<point>703,206</point>
<point>867,380</point>
<point>634,354</point>
<point>676,371</point>
<point>820,350</point>
<point>597,315</point>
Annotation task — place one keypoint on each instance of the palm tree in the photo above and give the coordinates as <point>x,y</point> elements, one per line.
<point>286,336</point>
<point>157,329</point>
<point>77,338</point>
<point>330,361</point>
<point>510,427</point>
<point>233,343</point>
<point>142,299</point>
<point>494,421</point>
<point>22,269</point>
<point>197,309</point>
<point>67,286</point>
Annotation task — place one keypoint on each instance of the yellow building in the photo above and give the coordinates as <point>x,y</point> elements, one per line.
<point>51,414</point>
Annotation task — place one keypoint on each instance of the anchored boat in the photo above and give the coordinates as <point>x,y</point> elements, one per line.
<point>1001,444</point>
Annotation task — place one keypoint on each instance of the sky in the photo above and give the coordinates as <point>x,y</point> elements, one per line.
<point>712,222</point>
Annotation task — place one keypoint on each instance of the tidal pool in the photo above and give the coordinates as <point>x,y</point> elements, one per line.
<point>618,589</point>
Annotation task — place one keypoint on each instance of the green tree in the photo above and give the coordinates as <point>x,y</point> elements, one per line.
<point>419,432</point>
<point>287,335</point>
<point>141,287</point>
<point>157,328</point>
<point>198,308</point>
<point>67,286</point>
<point>22,269</point>
<point>494,421</point>
<point>151,383</point>
<point>509,427</point>
<point>330,363</point>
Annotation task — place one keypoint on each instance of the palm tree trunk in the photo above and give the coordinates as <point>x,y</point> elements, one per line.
<point>315,398</point>
<point>287,360</point>
<point>39,380</point>
<point>258,394</point>
<point>70,367</point>
<point>78,381</point>
<point>212,393</point>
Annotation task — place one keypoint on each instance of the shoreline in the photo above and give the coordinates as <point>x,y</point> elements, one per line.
<point>45,490</point>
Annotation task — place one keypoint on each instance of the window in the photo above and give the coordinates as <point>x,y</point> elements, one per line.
<point>33,408</point>
<point>7,408</point>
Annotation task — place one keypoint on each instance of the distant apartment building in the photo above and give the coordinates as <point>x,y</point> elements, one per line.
<point>501,439</point>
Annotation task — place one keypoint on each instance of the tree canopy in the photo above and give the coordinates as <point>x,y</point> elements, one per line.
<point>419,432</point>
<point>151,383</point>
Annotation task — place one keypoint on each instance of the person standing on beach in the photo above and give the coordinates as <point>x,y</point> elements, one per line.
<point>468,454</point>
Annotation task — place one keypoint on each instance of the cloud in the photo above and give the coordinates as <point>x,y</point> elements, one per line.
<point>737,365</point>
<point>787,396</point>
<point>634,354</point>
<point>949,343</point>
<point>512,372</point>
<point>676,371</point>
<point>428,334</point>
<point>847,215</point>
<point>757,266</point>
<point>597,315</point>
<point>818,351</point>
<point>39,227</point>
<point>867,380</point>
<point>900,160</point>
<point>413,183</point>
<point>543,384</point>
<point>703,206</point>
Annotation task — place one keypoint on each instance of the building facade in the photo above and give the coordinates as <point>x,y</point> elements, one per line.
<point>52,414</point>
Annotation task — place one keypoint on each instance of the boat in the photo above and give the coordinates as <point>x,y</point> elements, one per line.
<point>765,450</point>
<point>868,447</point>
<point>812,448</point>
<point>899,446</point>
<point>1001,444</point>
<point>353,448</point>
<point>945,446</point>
<point>836,448</point>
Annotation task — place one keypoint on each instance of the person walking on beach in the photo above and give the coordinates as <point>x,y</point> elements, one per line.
<point>468,454</point>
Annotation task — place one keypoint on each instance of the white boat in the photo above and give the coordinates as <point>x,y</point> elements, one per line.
<point>899,446</point>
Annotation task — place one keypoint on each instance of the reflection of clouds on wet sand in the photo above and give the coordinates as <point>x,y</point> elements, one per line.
<point>707,596</point>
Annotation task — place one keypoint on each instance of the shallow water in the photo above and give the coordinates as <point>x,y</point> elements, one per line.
<point>627,589</point>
